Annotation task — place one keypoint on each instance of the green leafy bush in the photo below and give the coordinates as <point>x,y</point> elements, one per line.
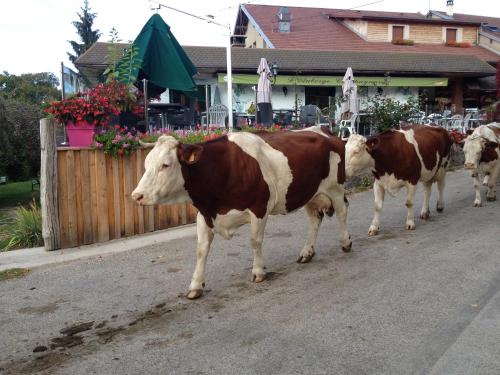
<point>116,141</point>
<point>25,230</point>
<point>387,113</point>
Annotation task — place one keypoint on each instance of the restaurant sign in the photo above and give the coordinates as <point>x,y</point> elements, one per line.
<point>284,80</point>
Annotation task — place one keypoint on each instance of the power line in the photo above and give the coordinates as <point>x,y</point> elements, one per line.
<point>364,5</point>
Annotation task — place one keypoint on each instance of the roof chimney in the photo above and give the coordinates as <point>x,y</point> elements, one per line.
<point>449,8</point>
<point>284,20</point>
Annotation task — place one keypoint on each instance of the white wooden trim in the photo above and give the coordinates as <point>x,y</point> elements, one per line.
<point>460,33</point>
<point>406,31</point>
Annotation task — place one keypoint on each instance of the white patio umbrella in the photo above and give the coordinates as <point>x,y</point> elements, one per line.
<point>264,107</point>
<point>264,85</point>
<point>350,91</point>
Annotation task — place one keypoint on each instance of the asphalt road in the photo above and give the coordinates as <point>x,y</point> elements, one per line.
<point>404,302</point>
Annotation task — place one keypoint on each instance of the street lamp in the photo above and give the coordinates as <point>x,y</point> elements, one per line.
<point>209,19</point>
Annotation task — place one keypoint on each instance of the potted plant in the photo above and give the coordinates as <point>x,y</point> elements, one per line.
<point>82,113</point>
<point>127,98</point>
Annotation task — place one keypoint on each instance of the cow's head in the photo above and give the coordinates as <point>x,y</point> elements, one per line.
<point>357,157</point>
<point>162,182</point>
<point>474,146</point>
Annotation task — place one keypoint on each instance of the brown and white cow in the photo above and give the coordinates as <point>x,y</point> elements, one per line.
<point>482,156</point>
<point>243,178</point>
<point>401,158</point>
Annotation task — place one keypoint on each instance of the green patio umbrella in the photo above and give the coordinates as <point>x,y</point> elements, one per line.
<point>157,56</point>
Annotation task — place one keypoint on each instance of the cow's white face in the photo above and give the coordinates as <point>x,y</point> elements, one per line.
<point>473,146</point>
<point>162,181</point>
<point>357,158</point>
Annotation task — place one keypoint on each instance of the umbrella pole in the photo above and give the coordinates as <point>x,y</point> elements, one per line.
<point>206,106</point>
<point>229,82</point>
<point>146,115</point>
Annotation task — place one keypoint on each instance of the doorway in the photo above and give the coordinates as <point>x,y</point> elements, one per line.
<point>319,96</point>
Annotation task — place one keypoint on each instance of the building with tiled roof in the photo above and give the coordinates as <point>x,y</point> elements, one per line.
<point>347,30</point>
<point>396,54</point>
<point>430,36</point>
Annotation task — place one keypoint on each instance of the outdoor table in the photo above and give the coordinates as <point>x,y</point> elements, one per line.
<point>171,114</point>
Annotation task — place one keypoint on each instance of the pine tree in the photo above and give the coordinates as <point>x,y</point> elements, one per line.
<point>84,30</point>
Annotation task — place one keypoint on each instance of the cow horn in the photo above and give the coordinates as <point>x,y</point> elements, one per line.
<point>147,144</point>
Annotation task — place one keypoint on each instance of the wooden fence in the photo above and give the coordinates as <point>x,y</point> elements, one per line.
<point>93,198</point>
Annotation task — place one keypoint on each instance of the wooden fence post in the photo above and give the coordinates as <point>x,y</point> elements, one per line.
<point>48,185</point>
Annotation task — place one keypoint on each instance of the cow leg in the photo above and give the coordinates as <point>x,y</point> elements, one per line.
<point>410,198</point>
<point>491,194</point>
<point>441,182</point>
<point>340,205</point>
<point>257,227</point>
<point>315,217</point>
<point>486,178</point>
<point>425,212</point>
<point>205,237</point>
<point>477,189</point>
<point>379,194</point>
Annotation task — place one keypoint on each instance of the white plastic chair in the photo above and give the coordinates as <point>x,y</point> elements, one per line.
<point>217,115</point>
<point>455,123</point>
<point>348,127</point>
<point>467,119</point>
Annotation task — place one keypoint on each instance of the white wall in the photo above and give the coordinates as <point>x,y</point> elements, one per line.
<point>243,95</point>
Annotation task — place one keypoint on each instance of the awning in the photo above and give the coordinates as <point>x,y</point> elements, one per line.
<point>284,80</point>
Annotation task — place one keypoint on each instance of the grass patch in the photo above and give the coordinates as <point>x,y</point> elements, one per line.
<point>17,193</point>
<point>13,273</point>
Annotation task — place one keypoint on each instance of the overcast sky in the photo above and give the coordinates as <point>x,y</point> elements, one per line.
<point>34,33</point>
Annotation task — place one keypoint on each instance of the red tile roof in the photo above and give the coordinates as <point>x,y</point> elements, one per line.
<point>313,29</point>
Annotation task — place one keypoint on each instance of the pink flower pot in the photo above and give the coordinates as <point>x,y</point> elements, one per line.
<point>80,134</point>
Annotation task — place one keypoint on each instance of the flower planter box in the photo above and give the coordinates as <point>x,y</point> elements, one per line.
<point>80,134</point>
<point>458,44</point>
<point>403,42</point>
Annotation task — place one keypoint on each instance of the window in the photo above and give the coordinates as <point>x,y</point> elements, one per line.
<point>451,35</point>
<point>398,32</point>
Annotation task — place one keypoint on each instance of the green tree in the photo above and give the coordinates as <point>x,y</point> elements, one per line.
<point>19,139</point>
<point>32,88</point>
<point>84,30</point>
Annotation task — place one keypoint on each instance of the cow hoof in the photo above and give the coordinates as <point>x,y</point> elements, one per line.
<point>410,226</point>
<point>491,199</point>
<point>373,231</point>
<point>439,209</point>
<point>194,294</point>
<point>347,249</point>
<point>305,258</point>
<point>425,215</point>
<point>258,278</point>
<point>477,204</point>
